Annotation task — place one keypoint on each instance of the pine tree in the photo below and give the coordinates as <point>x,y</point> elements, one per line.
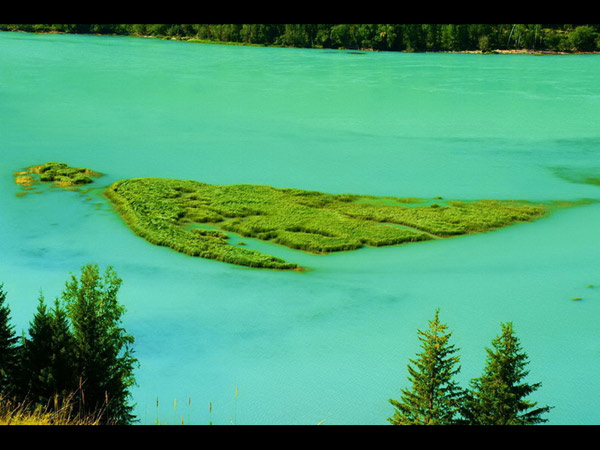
<point>498,396</point>
<point>434,398</point>
<point>8,348</point>
<point>103,349</point>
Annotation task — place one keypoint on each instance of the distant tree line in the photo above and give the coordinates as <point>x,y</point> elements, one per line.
<point>498,397</point>
<point>388,37</point>
<point>75,355</point>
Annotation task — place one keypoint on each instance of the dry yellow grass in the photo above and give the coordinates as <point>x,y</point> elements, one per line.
<point>24,180</point>
<point>62,414</point>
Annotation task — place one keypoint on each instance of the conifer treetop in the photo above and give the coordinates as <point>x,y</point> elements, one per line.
<point>434,397</point>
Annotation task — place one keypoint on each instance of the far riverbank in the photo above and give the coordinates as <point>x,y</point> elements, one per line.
<point>498,39</point>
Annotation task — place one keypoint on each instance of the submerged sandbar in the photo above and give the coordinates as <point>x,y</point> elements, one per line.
<point>193,218</point>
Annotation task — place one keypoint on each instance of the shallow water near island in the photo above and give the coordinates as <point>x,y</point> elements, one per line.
<point>224,344</point>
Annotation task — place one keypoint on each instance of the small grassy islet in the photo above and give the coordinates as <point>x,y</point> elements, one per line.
<point>59,174</point>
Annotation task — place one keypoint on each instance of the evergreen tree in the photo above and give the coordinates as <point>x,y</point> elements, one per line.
<point>35,359</point>
<point>103,349</point>
<point>498,396</point>
<point>62,361</point>
<point>48,369</point>
<point>8,348</point>
<point>434,398</point>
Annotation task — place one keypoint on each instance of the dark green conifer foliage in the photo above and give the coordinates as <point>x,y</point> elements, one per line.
<point>8,348</point>
<point>103,348</point>
<point>434,398</point>
<point>498,396</point>
<point>63,363</point>
<point>35,363</point>
<point>49,368</point>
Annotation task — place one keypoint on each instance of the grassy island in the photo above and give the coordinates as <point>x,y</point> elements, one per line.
<point>60,174</point>
<point>194,218</point>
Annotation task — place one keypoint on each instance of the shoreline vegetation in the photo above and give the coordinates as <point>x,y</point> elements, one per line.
<point>533,39</point>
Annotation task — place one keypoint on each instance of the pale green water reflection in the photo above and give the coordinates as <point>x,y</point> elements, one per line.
<point>333,343</point>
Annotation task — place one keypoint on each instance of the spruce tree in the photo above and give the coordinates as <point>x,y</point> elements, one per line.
<point>48,365</point>
<point>8,349</point>
<point>63,357</point>
<point>434,398</point>
<point>35,362</point>
<point>498,396</point>
<point>103,348</point>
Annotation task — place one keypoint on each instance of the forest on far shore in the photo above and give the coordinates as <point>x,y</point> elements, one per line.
<point>384,37</point>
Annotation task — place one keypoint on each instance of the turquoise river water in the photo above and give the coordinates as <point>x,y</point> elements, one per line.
<point>331,344</point>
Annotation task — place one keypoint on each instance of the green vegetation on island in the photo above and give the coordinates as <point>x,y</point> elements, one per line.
<point>194,218</point>
<point>408,37</point>
<point>60,174</point>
